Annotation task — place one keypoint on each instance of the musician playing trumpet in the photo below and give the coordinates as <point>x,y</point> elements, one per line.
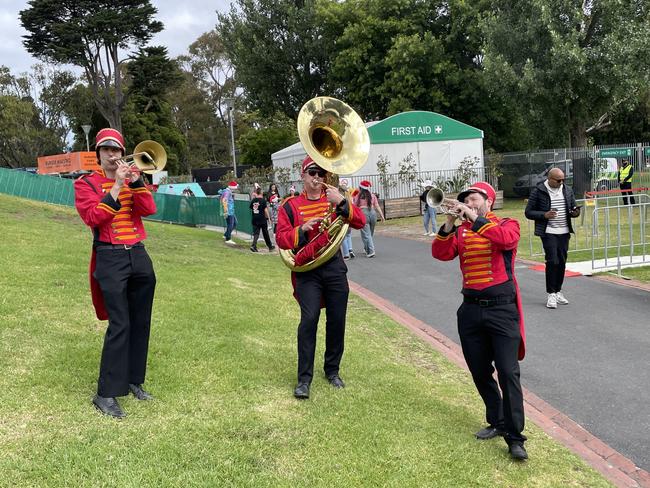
<point>112,202</point>
<point>490,319</point>
<point>299,222</point>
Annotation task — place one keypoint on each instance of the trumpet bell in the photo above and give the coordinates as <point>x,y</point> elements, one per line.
<point>435,197</point>
<point>333,135</point>
<point>149,157</point>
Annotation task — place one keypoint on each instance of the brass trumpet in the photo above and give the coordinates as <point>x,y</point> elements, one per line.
<point>435,198</point>
<point>148,156</point>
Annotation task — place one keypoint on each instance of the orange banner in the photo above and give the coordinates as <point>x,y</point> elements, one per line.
<point>67,163</point>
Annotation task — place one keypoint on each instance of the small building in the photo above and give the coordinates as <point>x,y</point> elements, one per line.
<point>431,140</point>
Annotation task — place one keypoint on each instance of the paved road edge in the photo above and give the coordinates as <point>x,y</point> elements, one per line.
<point>618,469</point>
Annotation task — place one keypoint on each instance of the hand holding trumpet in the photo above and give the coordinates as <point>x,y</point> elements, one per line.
<point>125,172</point>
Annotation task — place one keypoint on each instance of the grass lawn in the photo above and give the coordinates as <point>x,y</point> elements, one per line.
<point>222,367</point>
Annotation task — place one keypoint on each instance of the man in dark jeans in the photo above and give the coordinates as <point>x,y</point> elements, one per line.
<point>552,205</point>
<point>260,220</point>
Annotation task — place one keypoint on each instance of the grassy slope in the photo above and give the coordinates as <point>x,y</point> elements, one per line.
<point>222,366</point>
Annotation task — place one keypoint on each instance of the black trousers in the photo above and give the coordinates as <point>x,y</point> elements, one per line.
<point>265,232</point>
<point>330,282</point>
<point>556,250</point>
<point>490,338</point>
<point>127,281</point>
<point>627,190</point>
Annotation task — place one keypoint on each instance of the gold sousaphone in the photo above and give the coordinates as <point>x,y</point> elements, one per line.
<point>336,138</point>
<point>148,156</point>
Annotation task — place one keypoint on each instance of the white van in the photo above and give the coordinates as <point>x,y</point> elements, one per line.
<point>605,174</point>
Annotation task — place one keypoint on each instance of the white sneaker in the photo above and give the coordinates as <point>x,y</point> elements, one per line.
<point>371,255</point>
<point>425,234</point>
<point>231,242</point>
<point>561,299</point>
<point>552,301</point>
<point>432,234</point>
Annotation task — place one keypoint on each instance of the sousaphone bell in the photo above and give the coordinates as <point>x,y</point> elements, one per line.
<point>336,138</point>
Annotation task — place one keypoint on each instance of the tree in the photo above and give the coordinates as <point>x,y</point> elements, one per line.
<point>52,93</point>
<point>210,67</point>
<point>265,136</point>
<point>207,138</point>
<point>389,56</point>
<point>278,53</point>
<point>570,64</point>
<point>148,114</point>
<point>30,121</point>
<point>90,34</point>
<point>199,107</point>
<point>22,136</point>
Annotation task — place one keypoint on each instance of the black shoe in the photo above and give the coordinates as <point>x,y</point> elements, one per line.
<point>352,254</point>
<point>139,393</point>
<point>108,406</point>
<point>253,249</point>
<point>302,391</point>
<point>272,248</point>
<point>488,433</point>
<point>336,381</point>
<point>518,451</point>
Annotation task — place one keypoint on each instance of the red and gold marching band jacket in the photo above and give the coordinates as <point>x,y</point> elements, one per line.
<point>112,222</point>
<point>487,249</point>
<point>295,211</point>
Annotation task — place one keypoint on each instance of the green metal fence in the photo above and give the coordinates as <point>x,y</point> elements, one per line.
<point>171,208</point>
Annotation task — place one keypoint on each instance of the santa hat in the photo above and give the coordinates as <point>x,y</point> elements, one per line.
<point>274,198</point>
<point>233,185</point>
<point>365,185</point>
<point>427,183</point>
<point>481,187</point>
<point>109,138</point>
<point>307,163</point>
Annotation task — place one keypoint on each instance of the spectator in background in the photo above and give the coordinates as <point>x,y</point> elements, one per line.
<point>273,190</point>
<point>274,206</point>
<point>625,174</point>
<point>369,205</point>
<point>228,205</point>
<point>428,213</point>
<point>552,205</point>
<point>259,219</point>
<point>346,245</point>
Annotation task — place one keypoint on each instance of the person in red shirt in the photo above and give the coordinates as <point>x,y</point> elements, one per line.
<point>112,202</point>
<point>326,286</point>
<point>490,319</point>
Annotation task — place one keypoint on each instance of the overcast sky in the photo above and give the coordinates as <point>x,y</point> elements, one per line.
<point>184,22</point>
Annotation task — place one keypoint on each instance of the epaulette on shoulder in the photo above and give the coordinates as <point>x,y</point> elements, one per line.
<point>287,200</point>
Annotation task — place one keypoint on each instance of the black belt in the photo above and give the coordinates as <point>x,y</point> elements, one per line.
<point>123,247</point>
<point>489,302</point>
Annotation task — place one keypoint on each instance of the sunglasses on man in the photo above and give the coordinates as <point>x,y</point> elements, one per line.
<point>320,172</point>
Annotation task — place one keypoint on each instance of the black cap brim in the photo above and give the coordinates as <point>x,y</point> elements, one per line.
<point>110,143</point>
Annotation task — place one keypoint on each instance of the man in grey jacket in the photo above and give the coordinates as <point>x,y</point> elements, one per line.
<point>552,205</point>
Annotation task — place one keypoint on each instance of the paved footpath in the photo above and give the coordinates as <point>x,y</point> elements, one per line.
<point>589,360</point>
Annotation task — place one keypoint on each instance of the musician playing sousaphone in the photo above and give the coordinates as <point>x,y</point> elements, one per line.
<point>112,201</point>
<point>299,222</point>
